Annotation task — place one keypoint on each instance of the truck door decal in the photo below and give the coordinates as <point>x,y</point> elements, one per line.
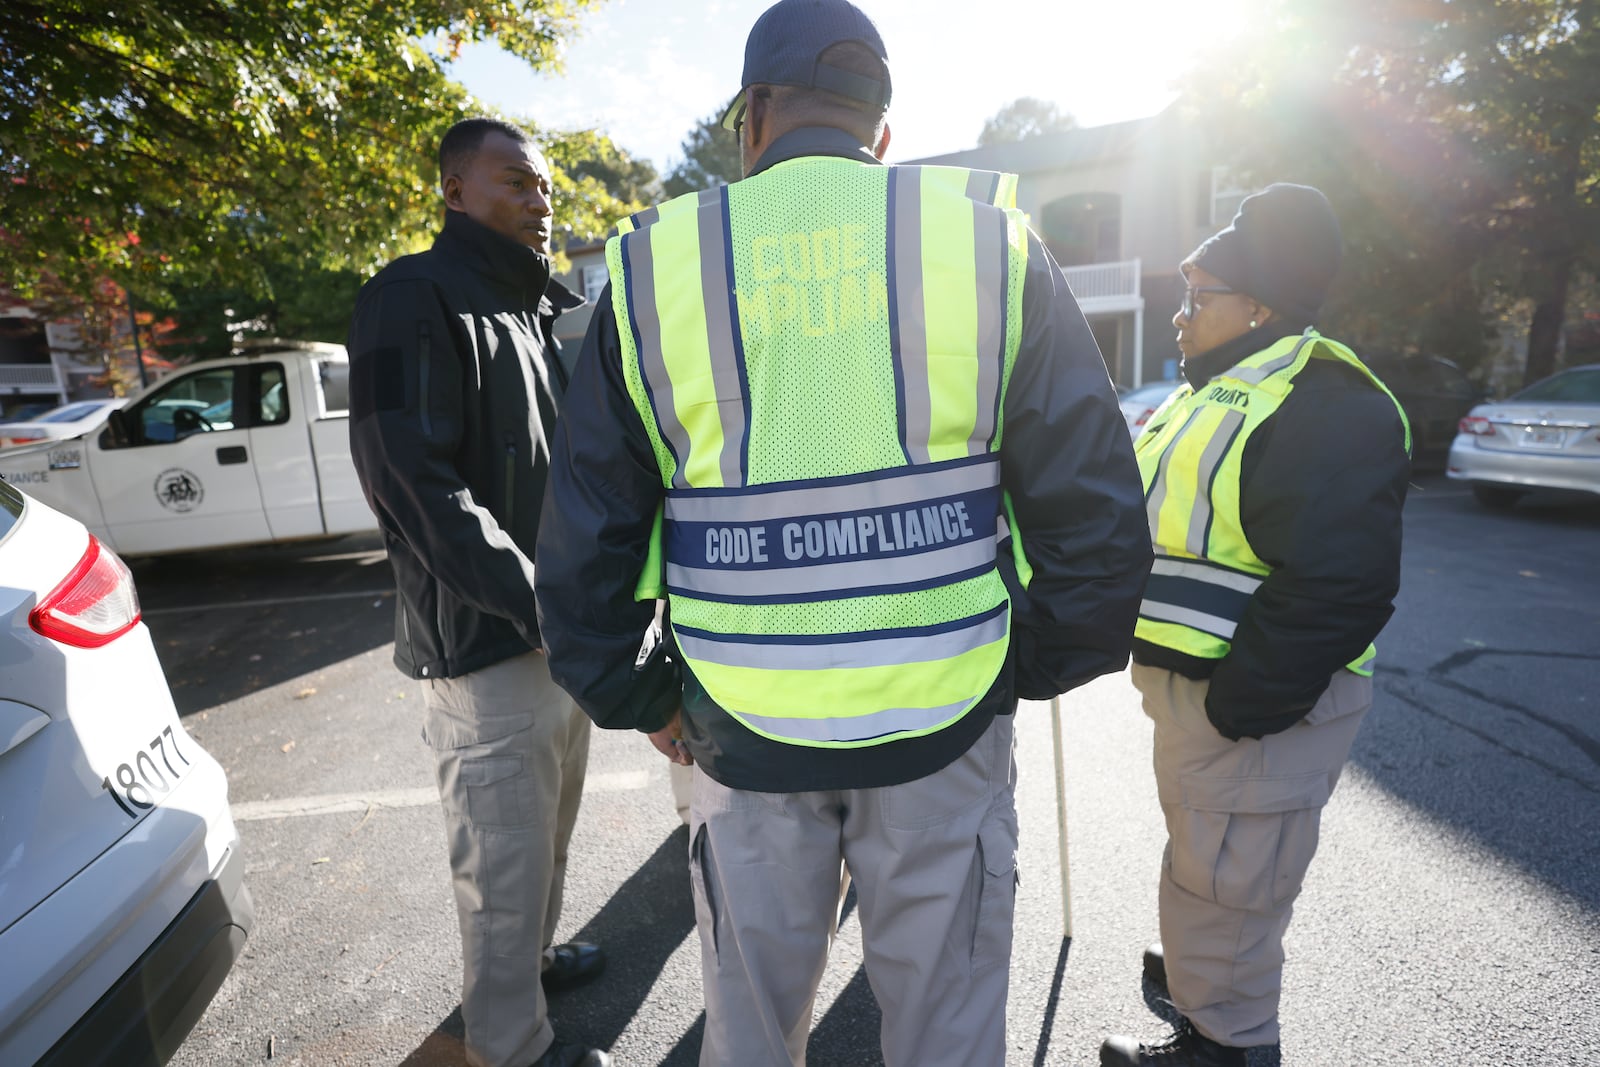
<point>179,490</point>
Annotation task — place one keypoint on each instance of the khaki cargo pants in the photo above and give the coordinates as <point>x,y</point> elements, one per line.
<point>935,866</point>
<point>510,750</point>
<point>1242,825</point>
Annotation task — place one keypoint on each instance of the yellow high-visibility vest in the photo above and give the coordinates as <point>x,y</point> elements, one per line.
<point>1205,570</point>
<point>819,354</point>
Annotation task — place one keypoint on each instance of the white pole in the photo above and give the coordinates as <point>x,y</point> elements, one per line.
<point>1061,816</point>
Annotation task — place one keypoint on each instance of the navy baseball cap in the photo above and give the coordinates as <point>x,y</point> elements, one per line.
<point>786,41</point>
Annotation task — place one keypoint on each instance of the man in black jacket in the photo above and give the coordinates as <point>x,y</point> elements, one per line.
<point>455,384</point>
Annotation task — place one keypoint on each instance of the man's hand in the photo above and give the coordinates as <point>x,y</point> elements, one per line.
<point>669,741</point>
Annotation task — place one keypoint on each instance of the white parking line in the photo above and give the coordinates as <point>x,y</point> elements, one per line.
<point>271,601</point>
<point>337,803</point>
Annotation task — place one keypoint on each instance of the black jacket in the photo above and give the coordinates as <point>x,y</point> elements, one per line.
<point>1066,461</point>
<point>1322,484</point>
<point>454,389</point>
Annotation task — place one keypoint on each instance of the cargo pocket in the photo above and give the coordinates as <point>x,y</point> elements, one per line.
<point>1347,693</point>
<point>699,879</point>
<point>1245,843</point>
<point>486,791</point>
<point>997,890</point>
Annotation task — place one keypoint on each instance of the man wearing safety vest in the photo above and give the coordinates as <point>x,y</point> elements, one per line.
<point>851,418</point>
<point>1274,480</point>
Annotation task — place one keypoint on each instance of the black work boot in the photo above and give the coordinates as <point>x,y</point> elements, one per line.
<point>1155,965</point>
<point>572,1054</point>
<point>1187,1047</point>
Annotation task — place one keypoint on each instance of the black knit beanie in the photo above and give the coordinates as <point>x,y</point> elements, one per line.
<point>1283,248</point>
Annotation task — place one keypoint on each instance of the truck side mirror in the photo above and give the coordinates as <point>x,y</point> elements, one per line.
<point>118,432</point>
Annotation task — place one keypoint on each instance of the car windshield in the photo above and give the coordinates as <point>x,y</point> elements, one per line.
<point>1573,387</point>
<point>71,412</point>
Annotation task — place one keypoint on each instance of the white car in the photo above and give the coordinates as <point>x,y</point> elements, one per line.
<point>122,901</point>
<point>1140,402</point>
<point>60,424</point>
<point>1545,437</point>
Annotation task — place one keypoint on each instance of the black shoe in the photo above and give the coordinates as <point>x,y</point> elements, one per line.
<point>1187,1047</point>
<point>572,964</point>
<point>572,1054</point>
<point>1155,965</point>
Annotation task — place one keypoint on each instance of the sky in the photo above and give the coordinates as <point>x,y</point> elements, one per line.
<point>645,71</point>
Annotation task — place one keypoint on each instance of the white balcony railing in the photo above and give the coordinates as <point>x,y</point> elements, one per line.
<point>1105,285</point>
<point>28,376</point>
<point>31,377</point>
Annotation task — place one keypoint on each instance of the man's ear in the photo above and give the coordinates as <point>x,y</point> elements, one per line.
<point>755,118</point>
<point>1262,313</point>
<point>881,149</point>
<point>452,192</point>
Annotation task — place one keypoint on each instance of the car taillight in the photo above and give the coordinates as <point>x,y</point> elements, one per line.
<point>94,605</point>
<point>1142,419</point>
<point>1476,425</point>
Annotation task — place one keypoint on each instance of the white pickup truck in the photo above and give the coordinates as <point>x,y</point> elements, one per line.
<point>239,451</point>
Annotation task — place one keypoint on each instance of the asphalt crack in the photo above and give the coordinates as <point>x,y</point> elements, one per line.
<point>1490,739</point>
<point>1437,673</point>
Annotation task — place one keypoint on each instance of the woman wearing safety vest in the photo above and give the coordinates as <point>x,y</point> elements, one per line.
<point>1274,479</point>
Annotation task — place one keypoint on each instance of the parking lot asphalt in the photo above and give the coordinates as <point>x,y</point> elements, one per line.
<point>1452,916</point>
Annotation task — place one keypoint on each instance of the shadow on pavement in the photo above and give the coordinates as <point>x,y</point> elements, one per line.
<point>443,1047</point>
<point>640,927</point>
<point>232,622</point>
<point>1491,730</point>
<point>1042,1049</point>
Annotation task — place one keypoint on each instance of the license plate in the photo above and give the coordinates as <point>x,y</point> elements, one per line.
<point>146,777</point>
<point>1542,437</point>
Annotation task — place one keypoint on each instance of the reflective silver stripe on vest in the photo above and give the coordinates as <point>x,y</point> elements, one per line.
<point>911,321</point>
<point>645,217</point>
<point>1235,586</point>
<point>1257,375</point>
<point>715,288</point>
<point>853,574</point>
<point>901,486</point>
<point>1200,572</point>
<point>1158,487</point>
<point>1211,458</point>
<point>850,650</point>
<point>1197,620</point>
<point>640,263</point>
<point>859,727</point>
<point>991,252</point>
<point>979,186</point>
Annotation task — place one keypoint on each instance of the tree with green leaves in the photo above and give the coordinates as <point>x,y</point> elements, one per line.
<point>1024,117</point>
<point>1457,138</point>
<point>184,145</point>
<point>710,158</point>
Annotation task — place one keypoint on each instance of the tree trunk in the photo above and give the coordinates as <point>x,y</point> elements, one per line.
<point>1550,290</point>
<point>1549,314</point>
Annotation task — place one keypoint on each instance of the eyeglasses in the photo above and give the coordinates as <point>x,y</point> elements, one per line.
<point>1192,291</point>
<point>736,123</point>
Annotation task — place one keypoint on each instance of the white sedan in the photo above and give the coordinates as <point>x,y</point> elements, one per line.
<point>1545,437</point>
<point>59,424</point>
<point>122,900</point>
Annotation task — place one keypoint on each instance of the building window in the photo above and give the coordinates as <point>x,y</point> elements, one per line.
<point>594,281</point>
<point>1226,193</point>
